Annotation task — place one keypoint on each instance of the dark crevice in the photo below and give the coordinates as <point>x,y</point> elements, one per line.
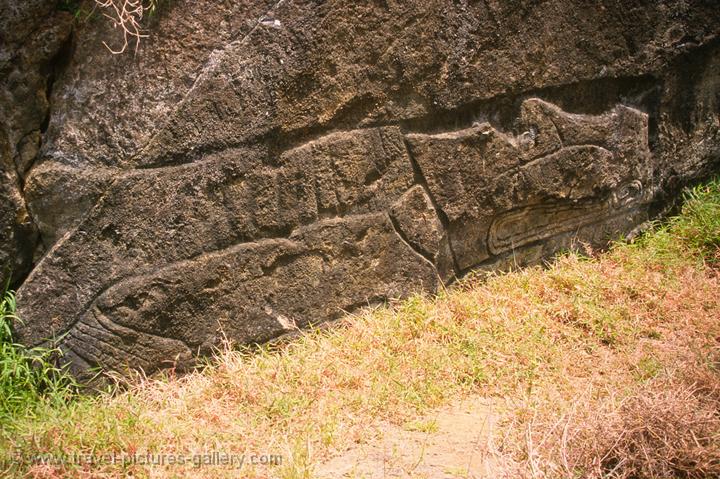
<point>372,176</point>
<point>669,199</point>
<point>686,69</point>
<point>592,97</point>
<point>51,71</point>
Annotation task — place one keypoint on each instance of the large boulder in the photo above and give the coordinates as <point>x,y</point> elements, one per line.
<point>257,167</point>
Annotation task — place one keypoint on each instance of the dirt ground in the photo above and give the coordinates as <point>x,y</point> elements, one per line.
<point>454,442</point>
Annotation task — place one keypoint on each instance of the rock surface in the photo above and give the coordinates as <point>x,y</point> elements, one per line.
<point>257,167</point>
<point>33,36</point>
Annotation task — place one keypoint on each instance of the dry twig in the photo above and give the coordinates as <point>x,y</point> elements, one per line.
<point>126,15</point>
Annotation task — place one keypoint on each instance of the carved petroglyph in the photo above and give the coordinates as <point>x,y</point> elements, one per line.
<point>251,292</point>
<point>249,245</point>
<point>238,203</point>
<point>500,191</point>
<point>534,223</point>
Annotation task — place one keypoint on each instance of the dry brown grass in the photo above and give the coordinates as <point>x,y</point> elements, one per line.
<point>647,410</point>
<point>668,427</point>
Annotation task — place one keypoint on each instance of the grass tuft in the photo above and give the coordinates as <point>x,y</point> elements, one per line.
<point>694,233</point>
<point>29,378</point>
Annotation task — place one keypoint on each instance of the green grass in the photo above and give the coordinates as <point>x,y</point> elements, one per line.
<point>29,379</point>
<point>693,233</point>
<point>699,224</point>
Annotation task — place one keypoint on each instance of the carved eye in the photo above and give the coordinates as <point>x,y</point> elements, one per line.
<point>626,194</point>
<point>527,139</point>
<point>533,132</point>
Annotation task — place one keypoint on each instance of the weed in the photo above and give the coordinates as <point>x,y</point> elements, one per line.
<point>29,377</point>
<point>694,233</point>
